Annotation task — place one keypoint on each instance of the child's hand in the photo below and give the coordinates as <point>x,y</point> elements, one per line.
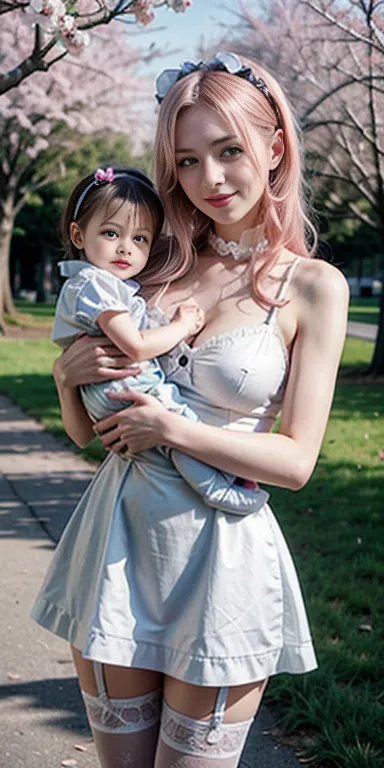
<point>191,315</point>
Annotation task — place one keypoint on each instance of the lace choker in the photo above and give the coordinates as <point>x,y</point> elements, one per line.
<point>237,251</point>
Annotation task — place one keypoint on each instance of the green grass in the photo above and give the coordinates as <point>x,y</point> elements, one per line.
<point>30,314</point>
<point>364,310</point>
<point>26,378</point>
<point>356,356</point>
<point>335,529</point>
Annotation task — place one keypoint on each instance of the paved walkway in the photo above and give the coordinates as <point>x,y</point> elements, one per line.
<point>41,712</point>
<point>366,331</point>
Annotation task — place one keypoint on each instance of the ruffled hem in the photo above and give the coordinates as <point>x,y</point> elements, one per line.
<point>198,670</point>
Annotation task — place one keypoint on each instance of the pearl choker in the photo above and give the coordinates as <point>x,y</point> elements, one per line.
<point>231,248</point>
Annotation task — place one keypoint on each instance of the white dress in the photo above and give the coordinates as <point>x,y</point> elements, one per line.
<point>146,575</point>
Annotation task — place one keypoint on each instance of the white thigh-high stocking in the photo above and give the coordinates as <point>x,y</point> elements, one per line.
<point>125,731</point>
<point>188,743</point>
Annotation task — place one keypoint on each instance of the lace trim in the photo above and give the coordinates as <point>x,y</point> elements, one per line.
<point>193,737</point>
<point>220,339</point>
<point>123,715</point>
<point>234,249</point>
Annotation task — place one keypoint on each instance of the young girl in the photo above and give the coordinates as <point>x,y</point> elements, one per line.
<point>112,220</point>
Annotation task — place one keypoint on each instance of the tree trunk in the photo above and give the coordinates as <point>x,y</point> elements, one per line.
<point>359,272</point>
<point>6,228</point>
<point>44,277</point>
<point>377,364</point>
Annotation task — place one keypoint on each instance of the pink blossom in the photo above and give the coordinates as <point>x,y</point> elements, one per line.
<point>67,24</point>
<point>143,10</point>
<point>46,13</point>
<point>73,39</point>
<point>179,6</point>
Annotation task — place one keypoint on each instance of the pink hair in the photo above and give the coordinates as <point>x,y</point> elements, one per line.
<point>282,208</point>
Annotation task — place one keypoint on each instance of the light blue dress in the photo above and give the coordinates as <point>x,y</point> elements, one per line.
<point>146,575</point>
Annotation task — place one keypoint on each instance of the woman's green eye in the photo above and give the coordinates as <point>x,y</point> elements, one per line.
<point>232,151</point>
<point>187,161</point>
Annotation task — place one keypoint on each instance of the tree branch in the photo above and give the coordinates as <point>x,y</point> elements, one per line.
<point>363,132</point>
<point>352,33</point>
<point>7,6</point>
<point>351,81</point>
<point>356,183</point>
<point>31,64</point>
<point>37,61</point>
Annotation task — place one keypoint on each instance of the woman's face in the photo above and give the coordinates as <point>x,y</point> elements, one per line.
<point>215,171</point>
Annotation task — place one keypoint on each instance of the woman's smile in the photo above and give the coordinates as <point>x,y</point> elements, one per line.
<point>220,201</point>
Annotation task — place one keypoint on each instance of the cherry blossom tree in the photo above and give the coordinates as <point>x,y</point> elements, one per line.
<point>59,27</point>
<point>43,120</point>
<point>92,89</point>
<point>354,99</point>
<point>329,56</point>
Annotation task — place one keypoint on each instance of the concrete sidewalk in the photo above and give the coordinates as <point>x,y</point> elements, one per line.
<point>41,712</point>
<point>365,331</point>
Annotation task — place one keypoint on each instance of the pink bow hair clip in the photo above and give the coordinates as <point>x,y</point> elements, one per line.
<point>102,175</point>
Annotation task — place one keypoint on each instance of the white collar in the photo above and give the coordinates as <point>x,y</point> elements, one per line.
<point>72,267</point>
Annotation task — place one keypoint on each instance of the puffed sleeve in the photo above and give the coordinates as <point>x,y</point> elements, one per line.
<point>100,292</point>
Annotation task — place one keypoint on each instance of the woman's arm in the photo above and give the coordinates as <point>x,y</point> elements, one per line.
<point>77,423</point>
<point>286,459</point>
<point>86,361</point>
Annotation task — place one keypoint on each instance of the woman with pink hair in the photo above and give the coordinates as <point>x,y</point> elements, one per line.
<point>179,613</point>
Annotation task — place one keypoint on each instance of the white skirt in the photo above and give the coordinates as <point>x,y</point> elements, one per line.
<point>147,576</point>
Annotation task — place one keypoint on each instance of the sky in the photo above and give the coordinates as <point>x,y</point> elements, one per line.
<point>205,20</point>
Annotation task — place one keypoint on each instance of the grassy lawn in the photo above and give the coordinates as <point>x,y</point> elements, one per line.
<point>364,310</point>
<point>32,314</point>
<point>26,378</point>
<point>335,529</point>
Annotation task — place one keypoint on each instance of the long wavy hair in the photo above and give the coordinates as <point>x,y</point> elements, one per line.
<point>282,209</point>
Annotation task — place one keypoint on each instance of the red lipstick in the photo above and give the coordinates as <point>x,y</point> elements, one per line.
<point>219,201</point>
<point>121,263</point>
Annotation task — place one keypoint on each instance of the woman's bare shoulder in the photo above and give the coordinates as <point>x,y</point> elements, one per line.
<point>318,283</point>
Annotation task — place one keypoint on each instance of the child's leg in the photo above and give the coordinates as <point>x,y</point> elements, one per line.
<point>95,396</point>
<point>218,489</point>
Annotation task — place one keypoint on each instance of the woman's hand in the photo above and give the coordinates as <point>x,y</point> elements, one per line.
<point>91,359</point>
<point>134,429</point>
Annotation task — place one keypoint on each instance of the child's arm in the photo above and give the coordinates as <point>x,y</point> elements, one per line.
<point>144,345</point>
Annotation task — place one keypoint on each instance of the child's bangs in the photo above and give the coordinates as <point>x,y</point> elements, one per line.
<point>142,203</point>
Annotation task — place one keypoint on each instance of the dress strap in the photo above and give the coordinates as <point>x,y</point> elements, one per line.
<point>282,290</point>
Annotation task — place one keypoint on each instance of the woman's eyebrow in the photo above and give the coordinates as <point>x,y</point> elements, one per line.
<point>213,144</point>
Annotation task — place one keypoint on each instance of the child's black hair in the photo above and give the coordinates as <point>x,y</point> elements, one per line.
<point>132,186</point>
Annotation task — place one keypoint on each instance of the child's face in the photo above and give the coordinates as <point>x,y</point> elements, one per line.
<point>119,243</point>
